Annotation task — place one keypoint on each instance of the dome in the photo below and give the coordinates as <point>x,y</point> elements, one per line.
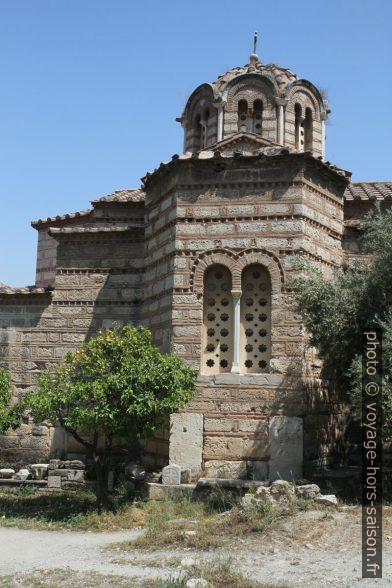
<point>280,76</point>
<point>264,100</point>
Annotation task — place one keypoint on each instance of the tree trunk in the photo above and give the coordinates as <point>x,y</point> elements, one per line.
<point>101,473</point>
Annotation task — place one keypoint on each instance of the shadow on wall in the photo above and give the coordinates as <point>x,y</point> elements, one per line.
<point>117,302</point>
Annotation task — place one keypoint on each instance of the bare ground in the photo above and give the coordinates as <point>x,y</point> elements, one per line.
<point>309,549</point>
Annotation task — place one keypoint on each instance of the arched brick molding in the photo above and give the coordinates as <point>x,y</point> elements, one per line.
<point>307,95</point>
<point>207,259</point>
<point>261,257</point>
<point>236,262</point>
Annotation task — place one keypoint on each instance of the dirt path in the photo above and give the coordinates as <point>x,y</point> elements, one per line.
<point>25,551</point>
<point>311,549</point>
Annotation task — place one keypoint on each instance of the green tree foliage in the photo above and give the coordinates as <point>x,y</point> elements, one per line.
<point>10,414</point>
<point>337,311</point>
<point>118,385</point>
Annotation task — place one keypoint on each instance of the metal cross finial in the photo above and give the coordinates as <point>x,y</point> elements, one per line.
<point>255,42</point>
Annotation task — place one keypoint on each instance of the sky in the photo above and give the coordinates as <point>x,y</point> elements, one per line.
<point>90,90</point>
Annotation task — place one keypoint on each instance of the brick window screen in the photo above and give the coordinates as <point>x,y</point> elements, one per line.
<point>255,331</point>
<point>217,353</point>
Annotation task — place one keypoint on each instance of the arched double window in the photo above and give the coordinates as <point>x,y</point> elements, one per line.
<point>250,119</point>
<point>236,325</point>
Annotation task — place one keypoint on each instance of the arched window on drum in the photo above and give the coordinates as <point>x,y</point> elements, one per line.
<point>255,331</point>
<point>242,116</point>
<point>217,353</point>
<point>257,117</point>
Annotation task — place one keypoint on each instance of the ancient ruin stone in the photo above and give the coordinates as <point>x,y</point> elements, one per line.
<point>7,473</point>
<point>23,474</point>
<point>186,476</point>
<point>39,470</point>
<point>171,475</point>
<point>308,491</point>
<point>328,499</point>
<point>54,482</point>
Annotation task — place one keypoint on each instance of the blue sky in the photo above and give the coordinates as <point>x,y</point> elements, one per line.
<point>90,90</point>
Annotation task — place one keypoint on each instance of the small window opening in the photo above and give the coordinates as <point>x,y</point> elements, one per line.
<point>308,130</point>
<point>242,115</point>
<point>257,116</point>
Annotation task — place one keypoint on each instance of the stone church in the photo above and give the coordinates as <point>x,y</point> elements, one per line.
<point>201,254</point>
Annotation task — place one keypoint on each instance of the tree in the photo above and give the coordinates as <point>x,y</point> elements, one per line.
<point>10,414</point>
<point>337,311</point>
<point>117,386</point>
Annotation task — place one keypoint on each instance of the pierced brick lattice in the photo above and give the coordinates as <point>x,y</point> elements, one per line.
<point>217,320</point>
<point>255,344</point>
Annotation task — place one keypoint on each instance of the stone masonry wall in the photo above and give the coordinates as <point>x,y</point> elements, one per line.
<point>247,213</point>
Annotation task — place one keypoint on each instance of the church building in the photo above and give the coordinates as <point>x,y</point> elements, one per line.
<point>201,254</point>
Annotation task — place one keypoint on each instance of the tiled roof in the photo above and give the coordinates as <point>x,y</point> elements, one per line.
<point>26,290</point>
<point>368,191</point>
<point>214,153</point>
<point>69,216</point>
<point>130,195</point>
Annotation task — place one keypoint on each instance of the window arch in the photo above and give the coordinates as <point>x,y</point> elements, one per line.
<point>255,329</point>
<point>257,116</point>
<point>308,130</point>
<point>299,128</point>
<point>204,127</point>
<point>242,115</point>
<point>217,355</point>
<point>198,131</point>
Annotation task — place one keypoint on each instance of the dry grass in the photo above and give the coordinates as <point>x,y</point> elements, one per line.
<point>219,573</point>
<point>67,579</point>
<point>199,526</point>
<point>172,523</point>
<point>29,509</point>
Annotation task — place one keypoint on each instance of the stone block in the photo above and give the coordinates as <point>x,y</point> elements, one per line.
<point>285,436</point>
<point>327,499</point>
<point>54,482</point>
<point>39,470</point>
<point>186,440</point>
<point>6,473</point>
<point>38,430</point>
<point>22,475</point>
<point>77,464</point>
<point>69,474</point>
<point>54,464</point>
<point>186,476</point>
<point>308,491</point>
<point>171,475</point>
<point>7,442</point>
<point>225,469</point>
